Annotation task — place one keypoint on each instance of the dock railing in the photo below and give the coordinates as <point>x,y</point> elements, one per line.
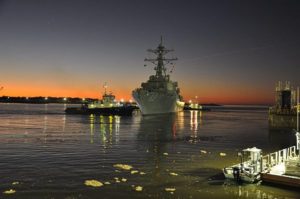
<point>275,158</point>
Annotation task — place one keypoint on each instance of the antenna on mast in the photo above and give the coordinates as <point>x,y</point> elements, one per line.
<point>160,61</point>
<point>105,87</point>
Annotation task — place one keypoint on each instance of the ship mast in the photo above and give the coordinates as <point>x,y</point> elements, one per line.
<point>105,87</point>
<point>160,61</point>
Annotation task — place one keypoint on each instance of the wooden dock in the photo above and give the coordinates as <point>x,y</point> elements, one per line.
<point>281,167</point>
<point>281,179</point>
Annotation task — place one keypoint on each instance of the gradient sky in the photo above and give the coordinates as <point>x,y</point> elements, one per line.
<point>230,52</point>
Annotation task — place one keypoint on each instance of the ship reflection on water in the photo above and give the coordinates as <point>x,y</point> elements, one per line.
<point>109,127</point>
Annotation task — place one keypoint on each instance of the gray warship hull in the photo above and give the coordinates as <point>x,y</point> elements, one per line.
<point>156,103</point>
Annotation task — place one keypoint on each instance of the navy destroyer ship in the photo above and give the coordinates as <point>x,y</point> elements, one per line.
<point>159,94</point>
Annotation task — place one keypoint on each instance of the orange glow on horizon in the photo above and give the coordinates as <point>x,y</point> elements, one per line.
<point>223,96</point>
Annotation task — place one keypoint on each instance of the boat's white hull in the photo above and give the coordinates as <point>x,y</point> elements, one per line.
<point>157,102</point>
<point>243,176</point>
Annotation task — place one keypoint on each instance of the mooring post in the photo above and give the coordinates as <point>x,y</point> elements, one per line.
<point>298,143</point>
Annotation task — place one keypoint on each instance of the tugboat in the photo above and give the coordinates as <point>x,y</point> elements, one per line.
<point>159,94</point>
<point>107,106</point>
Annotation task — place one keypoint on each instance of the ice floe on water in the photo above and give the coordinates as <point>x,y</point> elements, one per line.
<point>138,188</point>
<point>11,191</point>
<point>169,189</point>
<point>123,166</point>
<point>223,154</point>
<point>93,183</point>
<point>117,180</point>
<point>134,171</point>
<point>173,174</point>
<point>203,151</point>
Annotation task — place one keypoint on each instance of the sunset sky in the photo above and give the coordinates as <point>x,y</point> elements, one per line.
<point>229,52</point>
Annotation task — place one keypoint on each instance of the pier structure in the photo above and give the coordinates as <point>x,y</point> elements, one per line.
<point>280,167</point>
<point>283,113</point>
<point>283,167</point>
<point>285,99</point>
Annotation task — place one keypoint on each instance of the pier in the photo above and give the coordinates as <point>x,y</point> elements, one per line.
<point>281,167</point>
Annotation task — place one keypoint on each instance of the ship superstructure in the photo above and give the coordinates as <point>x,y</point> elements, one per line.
<point>108,100</point>
<point>159,94</point>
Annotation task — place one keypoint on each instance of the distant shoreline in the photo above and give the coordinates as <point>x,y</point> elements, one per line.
<point>46,100</point>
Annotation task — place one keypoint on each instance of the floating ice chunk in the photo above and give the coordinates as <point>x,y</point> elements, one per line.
<point>15,183</point>
<point>134,171</point>
<point>142,173</point>
<point>222,154</point>
<point>170,189</point>
<point>117,179</point>
<point>203,151</point>
<point>165,154</point>
<point>11,191</point>
<point>123,166</point>
<point>123,179</point>
<point>93,183</point>
<point>173,174</point>
<point>138,188</point>
<point>107,183</point>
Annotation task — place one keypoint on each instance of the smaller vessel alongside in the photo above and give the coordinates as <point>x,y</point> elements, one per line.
<point>195,107</point>
<point>107,106</point>
<point>246,171</point>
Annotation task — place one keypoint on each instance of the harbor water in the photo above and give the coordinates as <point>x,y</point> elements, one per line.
<point>47,154</point>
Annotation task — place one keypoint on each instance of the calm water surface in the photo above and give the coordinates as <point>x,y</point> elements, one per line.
<point>51,154</point>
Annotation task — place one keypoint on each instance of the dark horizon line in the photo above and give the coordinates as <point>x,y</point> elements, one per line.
<point>93,99</point>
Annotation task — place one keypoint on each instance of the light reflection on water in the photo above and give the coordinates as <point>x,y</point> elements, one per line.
<point>51,154</point>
